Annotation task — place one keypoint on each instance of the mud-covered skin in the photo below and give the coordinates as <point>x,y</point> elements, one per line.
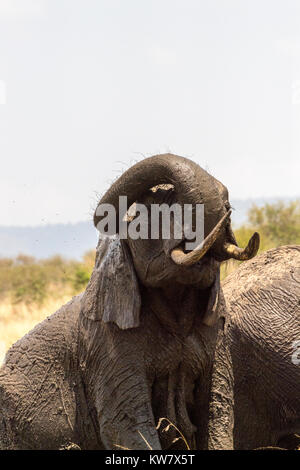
<point>256,387</point>
<point>76,379</point>
<point>38,383</point>
<point>148,372</point>
<point>60,386</point>
<point>139,344</point>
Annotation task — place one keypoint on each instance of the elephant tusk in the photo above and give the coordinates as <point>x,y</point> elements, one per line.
<point>243,254</point>
<point>188,259</point>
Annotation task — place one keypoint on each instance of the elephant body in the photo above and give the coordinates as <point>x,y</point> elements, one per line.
<point>255,394</point>
<point>137,345</point>
<point>74,379</point>
<point>152,337</point>
<point>39,382</point>
<point>59,385</point>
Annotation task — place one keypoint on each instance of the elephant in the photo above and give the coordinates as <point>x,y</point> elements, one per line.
<point>135,350</point>
<point>255,385</point>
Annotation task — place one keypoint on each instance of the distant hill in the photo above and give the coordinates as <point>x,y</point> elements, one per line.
<point>69,240</point>
<point>73,240</point>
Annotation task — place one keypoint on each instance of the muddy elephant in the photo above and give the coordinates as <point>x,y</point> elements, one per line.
<point>255,391</point>
<point>138,344</point>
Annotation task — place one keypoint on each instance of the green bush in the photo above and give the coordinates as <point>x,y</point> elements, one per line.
<point>81,278</point>
<point>32,292</point>
<point>28,283</point>
<point>278,224</point>
<point>25,279</point>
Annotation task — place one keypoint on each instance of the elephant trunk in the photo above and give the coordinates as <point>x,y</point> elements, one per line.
<point>231,250</point>
<point>193,186</point>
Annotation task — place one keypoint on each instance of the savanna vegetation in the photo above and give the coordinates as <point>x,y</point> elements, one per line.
<point>278,224</point>
<point>31,289</point>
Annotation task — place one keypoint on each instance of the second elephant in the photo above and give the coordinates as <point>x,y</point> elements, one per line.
<point>255,393</point>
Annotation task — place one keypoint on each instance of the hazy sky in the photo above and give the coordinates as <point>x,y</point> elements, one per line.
<point>89,86</point>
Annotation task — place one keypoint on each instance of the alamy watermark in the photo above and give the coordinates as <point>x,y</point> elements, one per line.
<point>176,221</point>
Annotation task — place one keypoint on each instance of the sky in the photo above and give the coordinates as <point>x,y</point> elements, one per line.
<point>89,87</point>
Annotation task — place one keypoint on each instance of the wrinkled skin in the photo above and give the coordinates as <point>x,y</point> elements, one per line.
<point>77,379</point>
<point>255,396</point>
<point>138,344</point>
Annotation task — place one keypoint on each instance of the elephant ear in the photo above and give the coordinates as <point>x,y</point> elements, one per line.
<point>212,313</point>
<point>112,294</point>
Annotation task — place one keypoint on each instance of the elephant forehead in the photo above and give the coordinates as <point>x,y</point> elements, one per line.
<point>279,265</point>
<point>262,298</point>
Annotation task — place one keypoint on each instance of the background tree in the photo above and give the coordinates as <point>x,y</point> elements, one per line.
<point>279,223</point>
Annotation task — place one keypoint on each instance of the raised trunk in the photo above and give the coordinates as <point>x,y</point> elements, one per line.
<point>193,185</point>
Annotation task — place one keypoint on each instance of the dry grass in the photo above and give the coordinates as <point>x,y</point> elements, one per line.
<point>228,267</point>
<point>17,320</point>
<point>166,429</point>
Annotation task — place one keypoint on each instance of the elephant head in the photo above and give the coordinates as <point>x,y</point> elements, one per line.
<point>123,266</point>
